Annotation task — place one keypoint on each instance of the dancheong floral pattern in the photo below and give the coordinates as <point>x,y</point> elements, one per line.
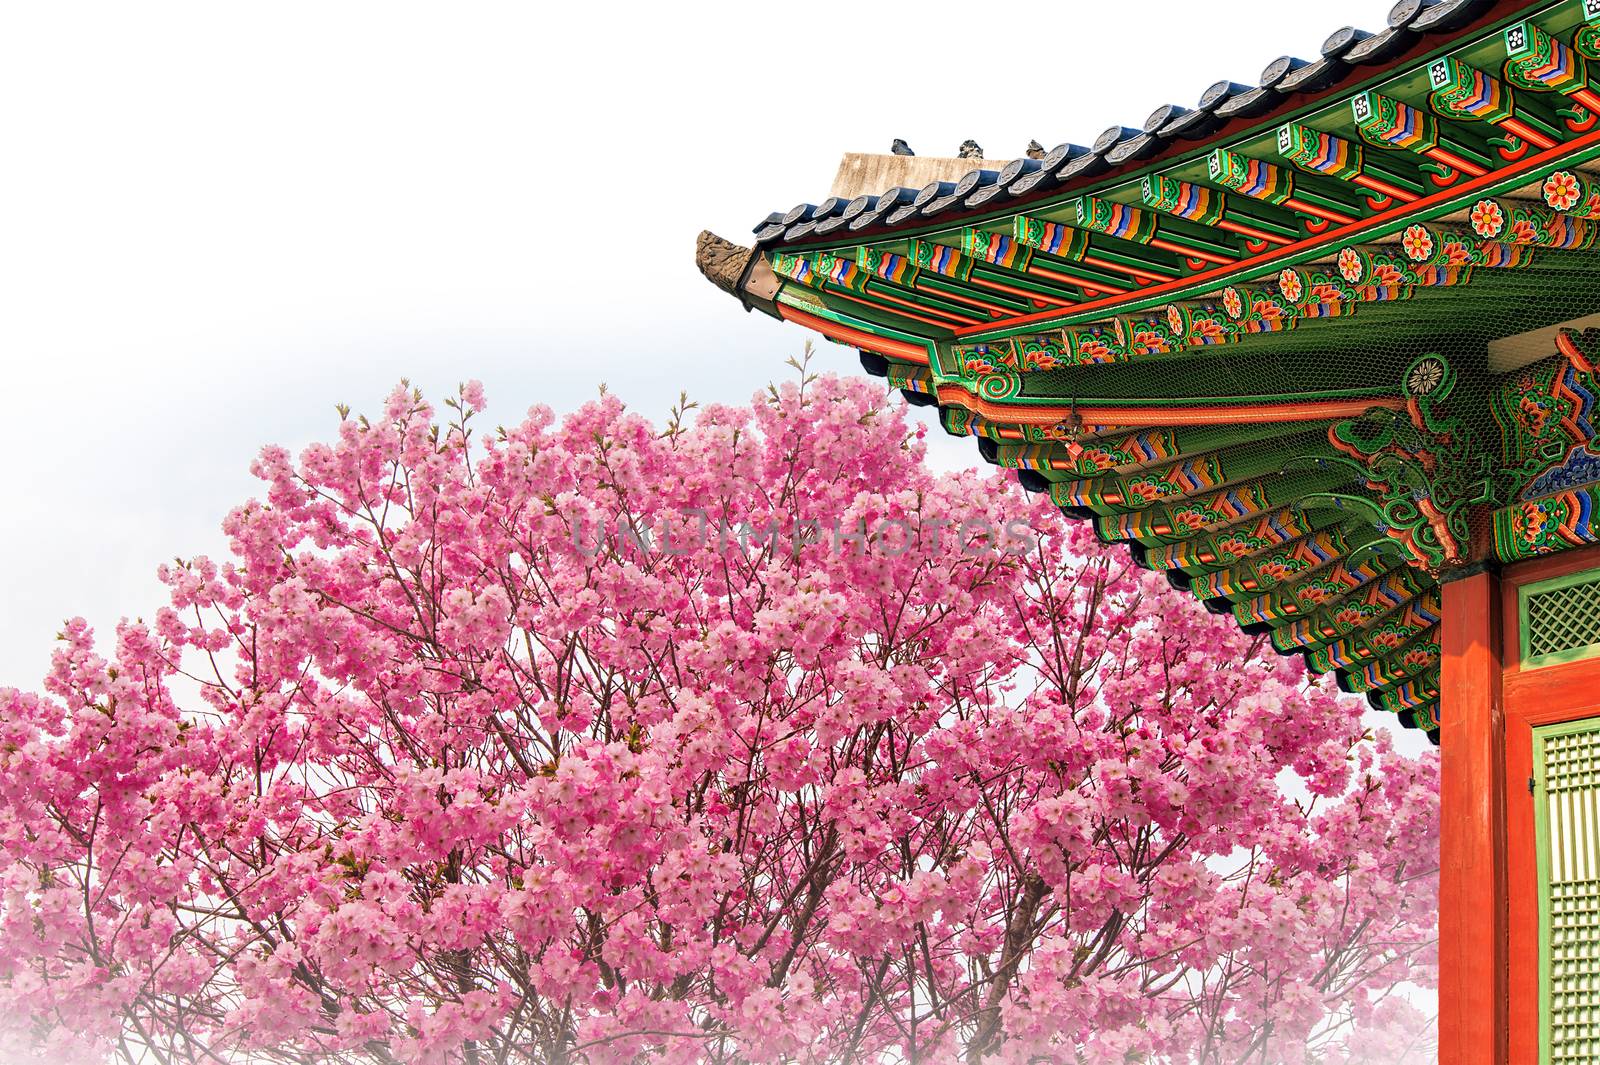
<point>1093,351</point>
<point>1232,303</point>
<point>1536,522</point>
<point>1350,265</point>
<point>1425,376</point>
<point>1488,220</point>
<point>1456,253</point>
<point>1387,274</point>
<point>1352,615</point>
<point>1039,357</point>
<point>1149,488</point>
<point>1281,568</point>
<point>1420,232</point>
<point>1418,243</point>
<point>1317,592</point>
<point>1562,190</point>
<point>1237,545</point>
<point>1421,657</point>
<point>1149,342</point>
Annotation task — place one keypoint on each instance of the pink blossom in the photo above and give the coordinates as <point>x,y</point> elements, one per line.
<point>457,783</point>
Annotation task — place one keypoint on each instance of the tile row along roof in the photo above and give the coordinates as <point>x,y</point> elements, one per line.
<point>1261,340</point>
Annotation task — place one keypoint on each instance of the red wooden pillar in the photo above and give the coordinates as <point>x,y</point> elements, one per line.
<point>1473,909</point>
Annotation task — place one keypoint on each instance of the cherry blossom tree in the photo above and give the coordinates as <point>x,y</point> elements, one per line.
<point>747,740</point>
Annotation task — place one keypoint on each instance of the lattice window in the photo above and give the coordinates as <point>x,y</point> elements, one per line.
<point>1561,620</point>
<point>1567,813</point>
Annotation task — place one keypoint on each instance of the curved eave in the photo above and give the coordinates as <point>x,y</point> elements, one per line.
<point>1352,60</point>
<point>1101,321</point>
<point>1354,608</point>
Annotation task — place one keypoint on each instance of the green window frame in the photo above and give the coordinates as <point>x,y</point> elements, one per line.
<point>1566,761</point>
<point>1558,620</point>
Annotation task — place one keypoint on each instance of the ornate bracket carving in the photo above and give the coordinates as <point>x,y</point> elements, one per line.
<point>1425,466</point>
<point>1547,416</point>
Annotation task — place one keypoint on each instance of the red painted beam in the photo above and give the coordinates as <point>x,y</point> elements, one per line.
<point>1099,414</point>
<point>1332,238</point>
<point>899,349</point>
<point>1473,906</point>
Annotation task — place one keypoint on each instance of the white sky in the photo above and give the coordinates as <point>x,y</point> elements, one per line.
<point>217,220</point>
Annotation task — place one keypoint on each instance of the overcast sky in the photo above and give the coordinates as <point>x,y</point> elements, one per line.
<point>218,220</point>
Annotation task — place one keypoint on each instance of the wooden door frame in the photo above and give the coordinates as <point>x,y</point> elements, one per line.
<point>1549,695</point>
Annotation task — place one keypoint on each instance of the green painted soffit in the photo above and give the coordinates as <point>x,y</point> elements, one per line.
<point>1356,355</point>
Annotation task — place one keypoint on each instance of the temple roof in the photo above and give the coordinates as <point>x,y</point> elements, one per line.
<point>1350,58</point>
<point>1311,347</point>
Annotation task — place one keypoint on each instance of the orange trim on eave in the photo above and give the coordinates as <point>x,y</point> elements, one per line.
<point>1097,415</point>
<point>900,349</point>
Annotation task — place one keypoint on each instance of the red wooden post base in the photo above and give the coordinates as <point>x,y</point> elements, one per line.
<point>1473,906</point>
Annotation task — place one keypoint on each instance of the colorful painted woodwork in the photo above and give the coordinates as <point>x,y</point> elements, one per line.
<point>1262,357</point>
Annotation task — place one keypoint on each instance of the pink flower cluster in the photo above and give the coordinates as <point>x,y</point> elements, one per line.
<point>411,777</point>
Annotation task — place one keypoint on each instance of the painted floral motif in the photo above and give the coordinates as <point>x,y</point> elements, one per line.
<point>1268,310</point>
<point>1424,377</point>
<point>1148,489</point>
<point>1232,303</point>
<point>1387,274</point>
<point>1488,219</point>
<point>1390,636</point>
<point>1175,320</point>
<point>1456,253</point>
<point>1315,593</point>
<point>1235,546</point>
<point>1350,615</point>
<point>1524,231</point>
<point>1534,412</point>
<point>1094,351</point>
<point>1149,342</point>
<point>1351,268</point>
<point>1535,524</point>
<point>1194,517</point>
<point>1420,657</point>
<point>1096,458</point>
<point>1290,284</point>
<point>1417,242</point>
<point>1280,568</point>
<point>1037,355</point>
<point>1326,293</point>
<point>1208,328</point>
<point>1562,190</point>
